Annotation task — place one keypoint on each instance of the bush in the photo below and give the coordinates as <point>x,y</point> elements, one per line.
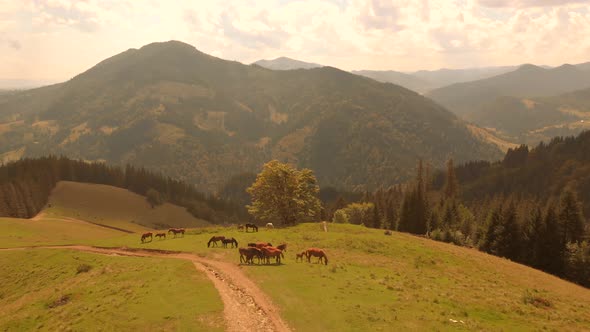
<point>82,268</point>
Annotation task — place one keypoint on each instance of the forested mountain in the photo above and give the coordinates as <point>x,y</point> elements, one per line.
<point>171,108</point>
<point>25,186</point>
<point>531,120</point>
<point>443,77</point>
<point>284,63</point>
<point>526,81</point>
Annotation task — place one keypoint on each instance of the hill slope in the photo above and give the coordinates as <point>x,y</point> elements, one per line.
<point>172,108</point>
<point>406,80</point>
<point>526,81</point>
<point>115,207</point>
<point>284,63</point>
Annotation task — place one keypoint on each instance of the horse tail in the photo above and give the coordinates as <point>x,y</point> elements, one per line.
<point>326,259</point>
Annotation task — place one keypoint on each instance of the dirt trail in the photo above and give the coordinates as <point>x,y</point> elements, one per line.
<point>246,307</point>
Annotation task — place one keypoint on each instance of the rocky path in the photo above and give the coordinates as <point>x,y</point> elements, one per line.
<point>246,307</point>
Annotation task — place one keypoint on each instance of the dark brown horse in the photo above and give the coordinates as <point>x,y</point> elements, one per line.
<point>231,241</point>
<point>269,252</point>
<point>254,227</point>
<point>315,252</point>
<point>283,247</point>
<point>144,236</point>
<point>176,231</point>
<point>160,235</point>
<point>214,240</point>
<point>247,255</point>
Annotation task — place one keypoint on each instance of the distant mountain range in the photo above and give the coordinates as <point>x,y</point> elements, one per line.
<point>171,108</point>
<point>284,63</point>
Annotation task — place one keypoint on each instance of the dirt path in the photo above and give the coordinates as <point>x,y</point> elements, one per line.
<point>246,307</point>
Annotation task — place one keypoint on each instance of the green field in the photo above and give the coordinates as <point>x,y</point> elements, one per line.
<point>42,289</point>
<point>372,282</point>
<point>378,282</point>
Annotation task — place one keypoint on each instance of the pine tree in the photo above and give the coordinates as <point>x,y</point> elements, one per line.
<point>571,218</point>
<point>451,186</point>
<point>508,239</point>
<point>552,247</point>
<point>493,223</point>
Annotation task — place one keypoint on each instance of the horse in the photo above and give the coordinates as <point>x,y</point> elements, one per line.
<point>214,240</point>
<point>240,227</point>
<point>247,255</point>
<point>269,252</point>
<point>269,225</point>
<point>283,247</point>
<point>300,256</point>
<point>260,244</point>
<point>231,241</point>
<point>387,232</point>
<point>176,231</point>
<point>254,227</point>
<point>315,252</point>
<point>161,235</point>
<point>144,236</point>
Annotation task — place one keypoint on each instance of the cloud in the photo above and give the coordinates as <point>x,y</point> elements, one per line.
<point>528,3</point>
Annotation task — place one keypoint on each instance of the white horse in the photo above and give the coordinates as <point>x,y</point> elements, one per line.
<point>269,225</point>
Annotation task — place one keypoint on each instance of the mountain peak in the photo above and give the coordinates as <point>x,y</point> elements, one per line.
<point>529,67</point>
<point>285,63</point>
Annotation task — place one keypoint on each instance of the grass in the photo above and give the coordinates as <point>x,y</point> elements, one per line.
<point>115,207</point>
<point>25,232</point>
<point>42,289</point>
<point>378,282</point>
<point>382,282</point>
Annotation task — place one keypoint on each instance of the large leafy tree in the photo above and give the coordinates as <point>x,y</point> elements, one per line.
<point>284,195</point>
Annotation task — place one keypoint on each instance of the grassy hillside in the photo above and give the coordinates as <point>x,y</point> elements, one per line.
<point>197,118</point>
<point>54,231</point>
<point>383,282</point>
<point>42,290</point>
<point>115,207</point>
<point>526,81</point>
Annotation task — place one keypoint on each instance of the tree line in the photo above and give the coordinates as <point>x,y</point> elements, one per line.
<point>25,186</point>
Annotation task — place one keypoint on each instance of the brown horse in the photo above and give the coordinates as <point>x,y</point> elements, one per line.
<point>160,235</point>
<point>231,241</point>
<point>240,227</point>
<point>254,227</point>
<point>259,244</point>
<point>176,231</point>
<point>315,252</point>
<point>300,256</point>
<point>283,247</point>
<point>144,236</point>
<point>269,252</point>
<point>214,240</point>
<point>247,255</point>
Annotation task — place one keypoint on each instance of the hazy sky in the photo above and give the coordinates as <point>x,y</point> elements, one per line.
<point>57,39</point>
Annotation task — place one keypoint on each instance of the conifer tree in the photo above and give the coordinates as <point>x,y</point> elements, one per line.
<point>571,218</point>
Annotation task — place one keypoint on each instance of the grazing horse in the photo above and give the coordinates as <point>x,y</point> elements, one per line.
<point>240,227</point>
<point>283,247</point>
<point>260,244</point>
<point>161,235</point>
<point>176,231</point>
<point>269,225</point>
<point>300,256</point>
<point>231,241</point>
<point>387,232</point>
<point>254,227</point>
<point>214,240</point>
<point>315,252</point>
<point>247,255</point>
<point>269,252</point>
<point>144,236</point>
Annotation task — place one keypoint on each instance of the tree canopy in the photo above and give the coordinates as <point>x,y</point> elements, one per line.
<point>284,195</point>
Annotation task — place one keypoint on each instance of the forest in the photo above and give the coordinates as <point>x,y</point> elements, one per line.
<point>25,186</point>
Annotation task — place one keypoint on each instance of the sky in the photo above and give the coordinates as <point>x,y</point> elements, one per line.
<point>58,39</point>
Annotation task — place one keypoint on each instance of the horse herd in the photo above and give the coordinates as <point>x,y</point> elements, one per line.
<point>264,251</point>
<point>161,235</point>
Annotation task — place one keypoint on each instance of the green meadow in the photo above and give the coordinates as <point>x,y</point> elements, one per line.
<point>65,290</point>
